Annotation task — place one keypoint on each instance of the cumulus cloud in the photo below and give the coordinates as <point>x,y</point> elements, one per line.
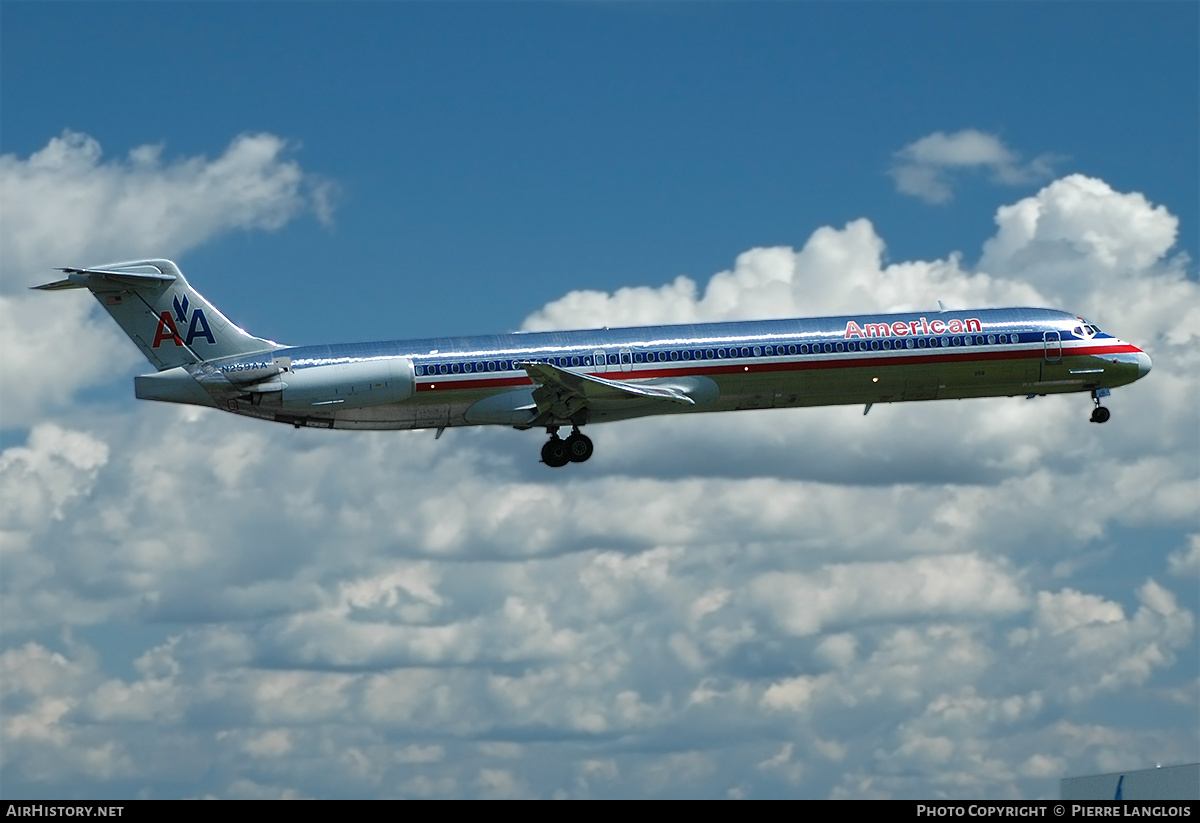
<point>66,204</point>
<point>142,205</point>
<point>1186,561</point>
<point>926,167</point>
<point>803,601</point>
<point>836,271</point>
<point>960,585</point>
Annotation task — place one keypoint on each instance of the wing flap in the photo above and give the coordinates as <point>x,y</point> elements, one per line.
<point>598,388</point>
<point>563,394</point>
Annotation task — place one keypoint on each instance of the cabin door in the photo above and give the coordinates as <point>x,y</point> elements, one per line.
<point>1053,344</point>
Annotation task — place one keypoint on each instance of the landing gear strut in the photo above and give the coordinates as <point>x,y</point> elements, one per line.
<point>1100,414</point>
<point>558,452</point>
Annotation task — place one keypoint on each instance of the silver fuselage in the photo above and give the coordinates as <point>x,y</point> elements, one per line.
<point>857,359</point>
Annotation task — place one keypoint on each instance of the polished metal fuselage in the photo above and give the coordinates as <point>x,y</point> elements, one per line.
<point>857,359</point>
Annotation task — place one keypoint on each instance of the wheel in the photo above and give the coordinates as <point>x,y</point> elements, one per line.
<point>1100,414</point>
<point>554,453</point>
<point>579,447</point>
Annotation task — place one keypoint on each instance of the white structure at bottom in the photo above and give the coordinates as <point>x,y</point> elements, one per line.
<point>1167,783</point>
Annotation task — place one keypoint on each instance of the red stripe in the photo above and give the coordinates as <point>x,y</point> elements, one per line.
<point>900,358</point>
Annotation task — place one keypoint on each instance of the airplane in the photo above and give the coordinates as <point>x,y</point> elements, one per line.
<point>552,380</point>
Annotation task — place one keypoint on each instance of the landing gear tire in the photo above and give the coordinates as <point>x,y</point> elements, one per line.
<point>555,453</point>
<point>579,447</point>
<point>1100,414</point>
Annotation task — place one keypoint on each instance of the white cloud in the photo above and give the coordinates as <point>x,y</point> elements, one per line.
<point>141,205</point>
<point>66,205</point>
<point>941,586</point>
<point>806,601</point>
<point>925,167</point>
<point>837,271</point>
<point>1185,562</point>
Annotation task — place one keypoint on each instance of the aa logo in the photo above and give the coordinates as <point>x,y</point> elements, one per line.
<point>197,325</point>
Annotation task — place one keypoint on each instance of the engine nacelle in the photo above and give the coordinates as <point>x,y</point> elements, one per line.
<point>348,385</point>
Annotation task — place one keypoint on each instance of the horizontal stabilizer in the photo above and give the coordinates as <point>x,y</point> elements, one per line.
<point>131,278</point>
<point>59,285</point>
<point>78,278</point>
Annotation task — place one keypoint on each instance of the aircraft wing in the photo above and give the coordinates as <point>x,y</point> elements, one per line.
<point>564,393</point>
<point>78,278</point>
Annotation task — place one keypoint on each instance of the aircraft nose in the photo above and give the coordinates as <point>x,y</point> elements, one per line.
<point>1144,364</point>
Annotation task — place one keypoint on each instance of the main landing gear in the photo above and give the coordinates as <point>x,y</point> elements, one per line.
<point>1100,414</point>
<point>558,452</point>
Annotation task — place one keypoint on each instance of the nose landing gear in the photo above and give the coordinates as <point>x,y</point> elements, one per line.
<point>1100,414</point>
<point>557,452</point>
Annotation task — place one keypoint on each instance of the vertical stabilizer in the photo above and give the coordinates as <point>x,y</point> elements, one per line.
<point>167,319</point>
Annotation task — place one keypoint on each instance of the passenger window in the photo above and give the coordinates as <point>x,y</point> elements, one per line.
<point>792,349</point>
<point>757,351</point>
<point>991,338</point>
<point>721,353</point>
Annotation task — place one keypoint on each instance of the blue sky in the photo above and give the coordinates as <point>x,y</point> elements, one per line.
<point>525,149</point>
<point>803,603</point>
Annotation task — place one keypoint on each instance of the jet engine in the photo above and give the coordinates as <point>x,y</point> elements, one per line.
<point>351,385</point>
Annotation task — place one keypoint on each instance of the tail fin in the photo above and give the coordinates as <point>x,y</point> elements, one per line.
<point>167,319</point>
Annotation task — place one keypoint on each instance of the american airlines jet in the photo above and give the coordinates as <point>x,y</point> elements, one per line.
<point>554,379</point>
